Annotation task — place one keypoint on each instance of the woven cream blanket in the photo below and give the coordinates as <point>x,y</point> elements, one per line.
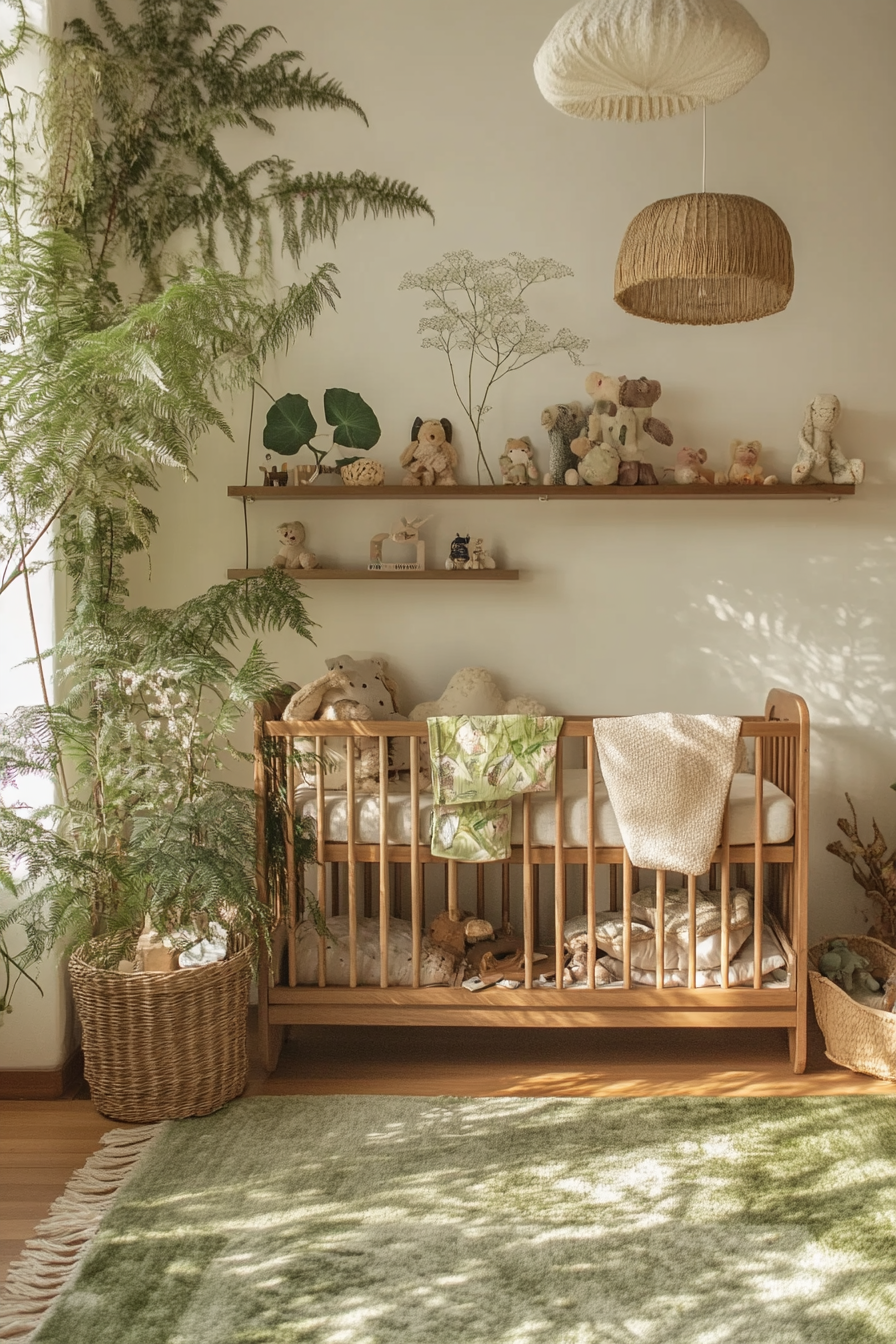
<point>667,777</point>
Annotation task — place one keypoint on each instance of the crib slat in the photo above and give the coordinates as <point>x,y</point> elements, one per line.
<point>614,886</point>
<point>291,889</point>
<point>505,898</point>
<point>383,861</point>
<point>334,889</point>
<point>692,931</point>
<point>559,871</point>
<point>453,904</point>
<point>758,874</point>
<point>590,753</point>
<point>352,863</point>
<point>528,889</point>
<point>627,876</point>
<point>660,929</point>
<point>726,894</point>
<point>416,890</point>
<point>321,864</point>
<point>480,890</point>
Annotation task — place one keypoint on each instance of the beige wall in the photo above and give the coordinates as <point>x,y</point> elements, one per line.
<point>629,607</point>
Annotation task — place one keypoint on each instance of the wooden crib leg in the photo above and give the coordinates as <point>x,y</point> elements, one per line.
<point>797,1042</point>
<point>270,1038</point>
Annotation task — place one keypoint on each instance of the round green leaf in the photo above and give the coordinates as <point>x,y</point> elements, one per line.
<point>356,426</point>
<point>289,426</point>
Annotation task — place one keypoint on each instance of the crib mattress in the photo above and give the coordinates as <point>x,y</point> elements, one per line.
<point>777,814</point>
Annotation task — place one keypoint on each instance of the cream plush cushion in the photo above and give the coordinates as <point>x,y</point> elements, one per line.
<point>637,60</point>
<point>777,814</point>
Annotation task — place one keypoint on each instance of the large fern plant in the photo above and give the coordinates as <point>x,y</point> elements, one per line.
<point>135,268</point>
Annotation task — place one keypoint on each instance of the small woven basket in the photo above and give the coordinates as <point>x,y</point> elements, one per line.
<point>862,1039</point>
<point>162,1047</point>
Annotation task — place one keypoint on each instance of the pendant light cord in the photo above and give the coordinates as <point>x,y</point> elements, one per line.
<point>704,147</point>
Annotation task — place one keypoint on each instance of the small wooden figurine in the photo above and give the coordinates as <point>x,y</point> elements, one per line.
<point>274,477</point>
<point>459,553</point>
<point>406,533</point>
<point>479,557</point>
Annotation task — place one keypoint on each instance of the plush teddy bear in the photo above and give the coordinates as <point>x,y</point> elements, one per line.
<point>292,553</point>
<point>745,467</point>
<point>473,690</point>
<point>639,395</point>
<point>350,689</point>
<point>517,462</point>
<point>690,469</point>
<point>429,458</point>
<point>564,422</point>
<point>821,457</point>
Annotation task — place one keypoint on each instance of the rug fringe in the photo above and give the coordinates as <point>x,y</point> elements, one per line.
<point>52,1256</point>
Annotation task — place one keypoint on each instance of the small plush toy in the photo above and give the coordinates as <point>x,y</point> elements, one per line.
<point>292,553</point>
<point>598,462</point>
<point>479,556</point>
<point>564,422</point>
<point>821,457</point>
<point>350,689</point>
<point>690,469</point>
<point>473,690</point>
<point>639,395</point>
<point>429,458</point>
<point>517,462</point>
<point>459,553</point>
<point>745,467</point>
<point>840,964</point>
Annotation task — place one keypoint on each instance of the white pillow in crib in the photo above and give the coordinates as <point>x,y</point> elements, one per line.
<point>609,931</point>
<point>708,912</point>
<point>437,967</point>
<point>740,969</point>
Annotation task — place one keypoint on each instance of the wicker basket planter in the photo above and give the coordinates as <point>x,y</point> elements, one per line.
<point>162,1047</point>
<point>862,1039</point>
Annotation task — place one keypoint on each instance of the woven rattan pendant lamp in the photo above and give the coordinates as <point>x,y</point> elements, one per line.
<point>705,260</point>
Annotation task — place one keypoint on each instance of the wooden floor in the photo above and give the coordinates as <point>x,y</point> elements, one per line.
<point>42,1143</point>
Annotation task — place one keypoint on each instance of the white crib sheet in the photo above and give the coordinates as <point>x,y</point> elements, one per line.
<point>777,814</point>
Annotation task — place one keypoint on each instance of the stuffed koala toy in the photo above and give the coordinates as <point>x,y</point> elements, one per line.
<point>292,553</point>
<point>517,462</point>
<point>429,458</point>
<point>745,467</point>
<point>564,422</point>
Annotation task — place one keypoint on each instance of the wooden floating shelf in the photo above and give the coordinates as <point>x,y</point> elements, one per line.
<point>536,493</point>
<point>451,575</point>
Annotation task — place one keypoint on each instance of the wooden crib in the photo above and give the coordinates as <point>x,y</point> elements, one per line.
<point>538,888</point>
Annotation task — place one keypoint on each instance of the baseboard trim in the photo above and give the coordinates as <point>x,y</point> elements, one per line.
<point>42,1084</point>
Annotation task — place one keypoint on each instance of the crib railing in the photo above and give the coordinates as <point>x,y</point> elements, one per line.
<point>384,878</point>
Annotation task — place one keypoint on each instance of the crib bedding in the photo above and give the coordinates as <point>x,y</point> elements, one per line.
<point>777,814</point>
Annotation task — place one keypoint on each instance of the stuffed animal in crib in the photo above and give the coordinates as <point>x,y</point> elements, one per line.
<point>429,458</point>
<point>350,689</point>
<point>479,556</point>
<point>746,468</point>
<point>821,457</point>
<point>639,395</point>
<point>564,422</point>
<point>517,462</point>
<point>840,964</point>
<point>292,553</point>
<point>473,690</point>
<point>690,469</point>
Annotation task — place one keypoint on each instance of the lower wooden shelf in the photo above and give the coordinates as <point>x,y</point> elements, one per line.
<point>450,575</point>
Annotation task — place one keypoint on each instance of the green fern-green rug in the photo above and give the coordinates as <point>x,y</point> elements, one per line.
<point>374,1220</point>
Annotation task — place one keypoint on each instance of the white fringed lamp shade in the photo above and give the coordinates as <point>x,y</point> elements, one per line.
<point>637,60</point>
<point>704,260</point>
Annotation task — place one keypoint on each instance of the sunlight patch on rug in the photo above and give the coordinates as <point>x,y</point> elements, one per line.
<point>374,1220</point>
